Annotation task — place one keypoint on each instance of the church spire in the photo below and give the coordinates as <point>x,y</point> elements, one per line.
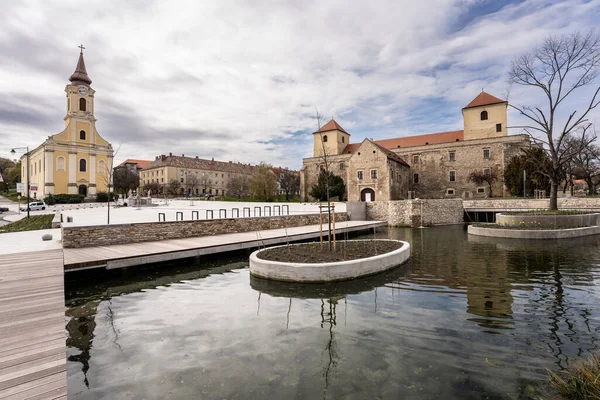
<point>80,76</point>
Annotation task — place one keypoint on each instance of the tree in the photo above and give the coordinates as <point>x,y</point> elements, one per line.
<point>192,182</point>
<point>289,182</point>
<point>154,188</point>
<point>125,180</point>
<point>173,187</point>
<point>237,186</point>
<point>557,68</point>
<point>328,186</point>
<point>263,183</point>
<point>480,178</point>
<point>6,166</point>
<point>586,166</point>
<point>513,173</point>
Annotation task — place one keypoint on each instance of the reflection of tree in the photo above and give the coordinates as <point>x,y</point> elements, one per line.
<point>329,318</point>
<point>81,327</point>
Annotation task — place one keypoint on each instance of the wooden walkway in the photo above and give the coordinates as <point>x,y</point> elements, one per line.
<point>127,255</point>
<point>32,326</point>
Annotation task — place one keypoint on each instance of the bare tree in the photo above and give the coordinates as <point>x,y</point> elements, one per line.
<point>488,176</point>
<point>559,67</point>
<point>237,185</point>
<point>289,182</point>
<point>326,169</point>
<point>192,181</point>
<point>586,166</point>
<point>107,176</point>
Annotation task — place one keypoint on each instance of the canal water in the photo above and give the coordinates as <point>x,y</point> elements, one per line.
<point>466,318</point>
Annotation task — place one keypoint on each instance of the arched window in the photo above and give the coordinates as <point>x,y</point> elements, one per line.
<point>82,165</point>
<point>60,163</point>
<point>82,104</point>
<point>325,139</point>
<point>102,167</point>
<point>82,135</point>
<point>484,115</point>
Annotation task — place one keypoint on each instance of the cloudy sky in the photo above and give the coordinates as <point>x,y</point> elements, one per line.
<point>240,80</point>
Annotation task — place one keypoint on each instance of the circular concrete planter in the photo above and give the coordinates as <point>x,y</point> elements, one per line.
<point>327,272</point>
<point>549,221</point>
<point>534,234</point>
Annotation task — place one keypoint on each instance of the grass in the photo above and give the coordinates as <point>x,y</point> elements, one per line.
<point>13,197</point>
<point>580,381</point>
<point>34,223</point>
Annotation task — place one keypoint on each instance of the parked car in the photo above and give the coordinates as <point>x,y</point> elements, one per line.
<point>34,205</point>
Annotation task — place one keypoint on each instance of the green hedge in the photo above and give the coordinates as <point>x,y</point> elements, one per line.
<point>64,199</point>
<point>102,197</point>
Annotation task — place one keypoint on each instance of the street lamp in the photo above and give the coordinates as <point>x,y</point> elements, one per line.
<point>13,151</point>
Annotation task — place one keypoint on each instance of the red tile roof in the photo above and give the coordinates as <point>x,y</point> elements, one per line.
<point>484,99</point>
<point>140,163</point>
<point>331,126</point>
<point>411,141</point>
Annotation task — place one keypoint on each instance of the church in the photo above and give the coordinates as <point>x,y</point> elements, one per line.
<point>435,165</point>
<point>76,160</point>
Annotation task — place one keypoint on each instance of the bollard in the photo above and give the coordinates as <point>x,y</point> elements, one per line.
<point>224,211</point>
<point>211,214</point>
<point>236,211</point>
<point>163,217</point>
<point>178,214</point>
<point>259,210</point>
<point>286,208</point>
<point>269,208</point>
<point>244,211</point>
<point>278,208</point>
<point>196,213</point>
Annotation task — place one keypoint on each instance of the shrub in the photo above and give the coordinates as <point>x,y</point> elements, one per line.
<point>64,199</point>
<point>102,197</point>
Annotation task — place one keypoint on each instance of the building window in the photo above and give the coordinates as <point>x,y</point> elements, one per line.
<point>452,176</point>
<point>486,153</point>
<point>498,127</point>
<point>415,159</point>
<point>60,164</point>
<point>415,178</point>
<point>82,104</point>
<point>101,167</point>
<point>342,165</point>
<point>487,171</point>
<point>373,174</point>
<point>484,115</point>
<point>343,141</point>
<point>162,180</point>
<point>82,165</point>
<point>181,173</point>
<point>359,174</point>
<point>181,180</point>
<point>324,138</point>
<point>81,135</point>
<point>480,190</point>
<point>452,156</point>
<point>450,191</point>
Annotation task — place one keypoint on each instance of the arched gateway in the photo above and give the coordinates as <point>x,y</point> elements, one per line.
<point>367,195</point>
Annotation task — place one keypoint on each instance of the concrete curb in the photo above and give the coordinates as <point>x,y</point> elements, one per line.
<point>327,272</point>
<point>534,234</point>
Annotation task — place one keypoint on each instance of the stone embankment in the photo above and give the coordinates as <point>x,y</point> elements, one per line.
<point>427,212</point>
<point>106,235</point>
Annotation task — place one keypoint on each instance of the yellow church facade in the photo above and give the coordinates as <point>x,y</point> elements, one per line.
<point>76,160</point>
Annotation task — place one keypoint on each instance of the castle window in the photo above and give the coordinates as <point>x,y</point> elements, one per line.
<point>452,155</point>
<point>498,127</point>
<point>450,191</point>
<point>415,159</point>
<point>373,174</point>
<point>60,163</point>
<point>480,190</point>
<point>341,165</point>
<point>484,115</point>
<point>487,172</point>
<point>452,176</point>
<point>415,178</point>
<point>82,104</point>
<point>324,138</point>
<point>81,135</point>
<point>359,175</point>
<point>82,165</point>
<point>486,153</point>
<point>343,139</point>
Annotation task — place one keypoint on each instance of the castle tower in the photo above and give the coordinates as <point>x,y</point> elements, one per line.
<point>485,117</point>
<point>332,137</point>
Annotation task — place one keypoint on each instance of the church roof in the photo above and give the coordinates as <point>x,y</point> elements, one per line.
<point>331,126</point>
<point>484,99</point>
<point>411,141</point>
<point>80,76</point>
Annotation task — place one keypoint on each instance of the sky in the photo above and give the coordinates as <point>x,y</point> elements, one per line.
<point>243,80</point>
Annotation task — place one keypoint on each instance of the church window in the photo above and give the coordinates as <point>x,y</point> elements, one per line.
<point>452,176</point>
<point>82,104</point>
<point>452,155</point>
<point>82,165</point>
<point>484,115</point>
<point>415,178</point>
<point>101,167</point>
<point>324,138</point>
<point>81,135</point>
<point>486,153</point>
<point>359,175</point>
<point>373,174</point>
<point>60,163</point>
<point>498,127</point>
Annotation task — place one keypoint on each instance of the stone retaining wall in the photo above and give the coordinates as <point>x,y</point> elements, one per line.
<point>572,203</point>
<point>541,234</point>
<point>106,235</point>
<point>548,221</point>
<point>408,212</point>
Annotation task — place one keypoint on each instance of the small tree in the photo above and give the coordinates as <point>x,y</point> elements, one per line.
<point>328,180</point>
<point>125,180</point>
<point>154,188</point>
<point>237,186</point>
<point>173,187</point>
<point>289,182</point>
<point>192,182</point>
<point>557,68</point>
<point>586,166</point>
<point>484,177</point>
<point>263,183</point>
<point>513,173</point>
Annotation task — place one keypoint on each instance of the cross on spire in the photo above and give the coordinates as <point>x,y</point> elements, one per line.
<point>81,48</point>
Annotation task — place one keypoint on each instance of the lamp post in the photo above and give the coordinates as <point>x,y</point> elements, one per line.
<point>13,151</point>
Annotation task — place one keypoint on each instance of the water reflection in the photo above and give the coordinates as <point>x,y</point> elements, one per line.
<point>467,317</point>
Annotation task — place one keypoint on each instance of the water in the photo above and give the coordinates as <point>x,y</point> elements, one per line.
<point>466,318</point>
